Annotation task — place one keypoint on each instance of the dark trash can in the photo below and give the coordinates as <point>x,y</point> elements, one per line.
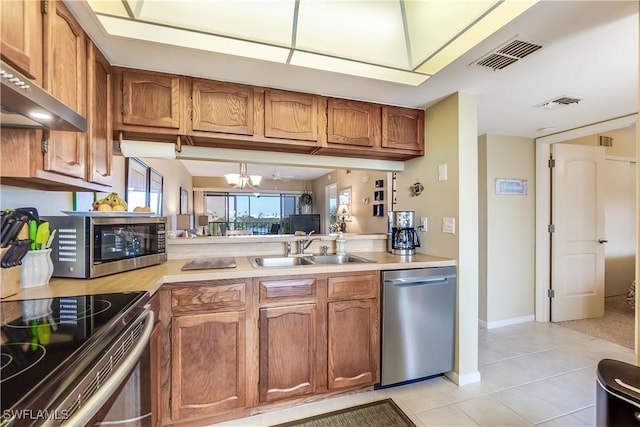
<point>617,394</point>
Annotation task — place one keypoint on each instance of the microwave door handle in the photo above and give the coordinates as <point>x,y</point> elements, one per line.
<point>91,407</point>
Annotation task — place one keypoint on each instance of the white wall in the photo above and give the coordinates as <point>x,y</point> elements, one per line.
<point>47,202</point>
<point>175,175</point>
<point>451,139</point>
<point>507,231</point>
<point>619,226</point>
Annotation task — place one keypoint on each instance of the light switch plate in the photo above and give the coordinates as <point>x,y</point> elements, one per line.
<point>442,172</point>
<point>449,225</point>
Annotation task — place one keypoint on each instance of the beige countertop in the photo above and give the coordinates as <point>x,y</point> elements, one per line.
<point>151,278</point>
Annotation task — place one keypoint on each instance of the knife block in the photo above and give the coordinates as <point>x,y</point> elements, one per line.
<point>9,278</point>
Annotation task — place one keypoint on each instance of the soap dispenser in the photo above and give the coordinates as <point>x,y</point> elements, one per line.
<point>341,244</point>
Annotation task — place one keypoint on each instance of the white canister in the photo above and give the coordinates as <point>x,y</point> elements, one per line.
<point>341,244</point>
<point>37,268</point>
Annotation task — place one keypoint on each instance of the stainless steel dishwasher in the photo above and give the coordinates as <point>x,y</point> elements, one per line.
<point>418,318</point>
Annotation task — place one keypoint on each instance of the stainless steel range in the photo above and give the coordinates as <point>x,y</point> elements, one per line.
<point>63,358</point>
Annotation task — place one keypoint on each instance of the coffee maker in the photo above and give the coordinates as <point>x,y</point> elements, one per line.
<point>403,237</point>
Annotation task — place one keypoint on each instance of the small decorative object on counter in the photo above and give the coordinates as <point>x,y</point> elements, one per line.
<point>37,268</point>
<point>341,244</point>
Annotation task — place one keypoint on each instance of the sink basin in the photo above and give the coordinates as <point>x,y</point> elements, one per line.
<point>278,261</point>
<point>337,259</point>
<point>283,261</point>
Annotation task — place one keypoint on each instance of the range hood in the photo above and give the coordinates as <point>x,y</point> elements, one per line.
<point>27,105</point>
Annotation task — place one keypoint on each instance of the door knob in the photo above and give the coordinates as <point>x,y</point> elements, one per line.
<point>602,240</point>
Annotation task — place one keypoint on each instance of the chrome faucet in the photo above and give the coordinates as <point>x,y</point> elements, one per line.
<point>304,243</point>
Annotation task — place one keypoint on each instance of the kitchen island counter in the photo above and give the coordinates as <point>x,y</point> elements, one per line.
<point>152,278</point>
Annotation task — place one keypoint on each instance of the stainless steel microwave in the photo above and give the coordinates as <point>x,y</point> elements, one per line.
<point>88,246</point>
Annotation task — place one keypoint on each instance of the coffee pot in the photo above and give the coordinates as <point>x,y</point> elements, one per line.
<point>403,237</point>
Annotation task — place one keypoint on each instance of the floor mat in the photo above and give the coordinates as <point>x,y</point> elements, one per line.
<point>383,413</point>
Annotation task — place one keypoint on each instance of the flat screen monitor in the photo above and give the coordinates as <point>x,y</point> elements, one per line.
<point>305,223</point>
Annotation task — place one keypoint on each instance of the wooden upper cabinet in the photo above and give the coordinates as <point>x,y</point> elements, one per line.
<point>403,128</point>
<point>290,115</point>
<point>150,99</point>
<point>207,363</point>
<point>353,123</point>
<point>221,107</point>
<point>100,121</point>
<point>21,36</point>
<point>65,77</point>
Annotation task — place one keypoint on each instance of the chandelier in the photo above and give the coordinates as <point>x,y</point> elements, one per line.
<point>243,179</point>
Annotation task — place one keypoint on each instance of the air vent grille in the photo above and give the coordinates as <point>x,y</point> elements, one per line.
<point>505,55</point>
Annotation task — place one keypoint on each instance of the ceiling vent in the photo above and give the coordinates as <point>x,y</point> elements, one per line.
<point>559,102</point>
<point>508,53</point>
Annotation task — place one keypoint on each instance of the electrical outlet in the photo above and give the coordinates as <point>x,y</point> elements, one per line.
<point>423,224</point>
<point>449,225</point>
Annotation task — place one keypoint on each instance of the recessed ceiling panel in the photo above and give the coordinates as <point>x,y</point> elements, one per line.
<point>432,24</point>
<point>264,21</point>
<point>115,8</point>
<point>368,31</point>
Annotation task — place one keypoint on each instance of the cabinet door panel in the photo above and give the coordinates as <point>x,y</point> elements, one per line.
<point>100,120</point>
<point>20,35</point>
<point>402,128</point>
<point>222,107</point>
<point>353,123</point>
<point>291,115</point>
<point>206,296</point>
<point>353,286</point>
<point>353,343</point>
<point>65,78</point>
<point>150,99</point>
<point>287,289</point>
<point>208,363</point>
<point>287,351</point>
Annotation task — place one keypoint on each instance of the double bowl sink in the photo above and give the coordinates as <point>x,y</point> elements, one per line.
<point>282,261</point>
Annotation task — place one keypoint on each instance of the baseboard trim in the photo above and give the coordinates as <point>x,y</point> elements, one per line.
<point>465,379</point>
<point>506,322</point>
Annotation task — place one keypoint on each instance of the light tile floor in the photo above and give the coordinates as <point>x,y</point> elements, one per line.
<point>533,374</point>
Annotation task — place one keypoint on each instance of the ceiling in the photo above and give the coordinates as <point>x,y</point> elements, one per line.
<point>589,53</point>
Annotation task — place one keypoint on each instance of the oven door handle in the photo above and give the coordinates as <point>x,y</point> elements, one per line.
<point>83,415</point>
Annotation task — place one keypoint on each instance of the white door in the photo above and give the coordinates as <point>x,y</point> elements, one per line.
<point>577,243</point>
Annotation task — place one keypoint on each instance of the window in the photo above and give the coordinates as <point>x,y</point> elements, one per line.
<point>331,195</point>
<point>144,186</point>
<point>263,214</point>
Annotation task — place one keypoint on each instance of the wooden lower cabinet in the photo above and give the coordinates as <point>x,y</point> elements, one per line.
<point>229,348</point>
<point>207,363</point>
<point>353,343</point>
<point>287,351</point>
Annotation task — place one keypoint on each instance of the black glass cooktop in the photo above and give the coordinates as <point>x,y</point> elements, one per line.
<point>46,341</point>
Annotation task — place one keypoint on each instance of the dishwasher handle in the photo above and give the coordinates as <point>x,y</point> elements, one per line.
<point>417,281</point>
